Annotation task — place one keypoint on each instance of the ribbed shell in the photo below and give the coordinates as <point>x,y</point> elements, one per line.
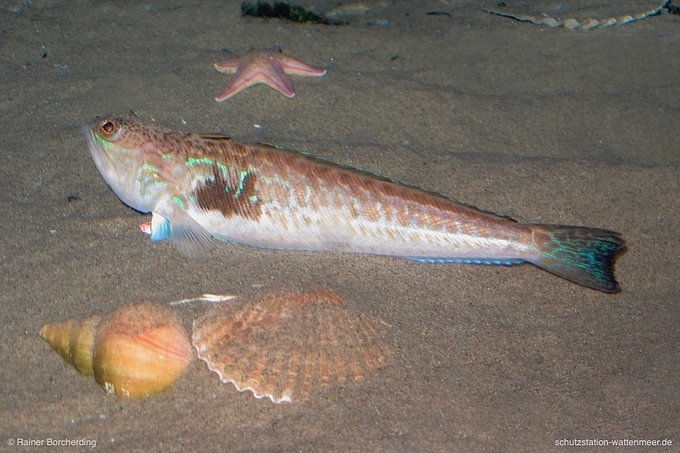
<point>283,343</point>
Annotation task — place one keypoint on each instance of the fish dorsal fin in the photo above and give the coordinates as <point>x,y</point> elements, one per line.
<point>214,137</point>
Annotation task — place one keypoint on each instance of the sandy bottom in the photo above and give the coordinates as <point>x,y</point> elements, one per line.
<point>543,125</point>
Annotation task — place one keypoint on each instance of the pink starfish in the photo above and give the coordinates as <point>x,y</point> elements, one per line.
<point>264,66</point>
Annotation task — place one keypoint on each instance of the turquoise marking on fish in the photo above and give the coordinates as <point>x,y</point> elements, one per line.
<point>470,261</point>
<point>150,168</point>
<point>242,178</point>
<point>179,202</point>
<point>224,171</point>
<point>201,187</point>
<point>193,161</point>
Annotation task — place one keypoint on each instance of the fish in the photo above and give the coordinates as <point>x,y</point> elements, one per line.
<point>200,187</point>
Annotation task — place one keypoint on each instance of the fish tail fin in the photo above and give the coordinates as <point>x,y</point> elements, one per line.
<point>583,255</point>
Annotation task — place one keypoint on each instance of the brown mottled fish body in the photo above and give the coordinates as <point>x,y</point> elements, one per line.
<point>198,186</point>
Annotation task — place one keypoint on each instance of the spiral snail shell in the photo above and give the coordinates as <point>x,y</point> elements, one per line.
<point>135,351</point>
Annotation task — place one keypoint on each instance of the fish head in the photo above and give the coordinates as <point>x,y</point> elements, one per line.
<point>129,155</point>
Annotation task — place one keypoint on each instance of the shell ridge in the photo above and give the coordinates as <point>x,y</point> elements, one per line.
<point>288,342</point>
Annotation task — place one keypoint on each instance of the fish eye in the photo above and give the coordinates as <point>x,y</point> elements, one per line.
<point>108,128</point>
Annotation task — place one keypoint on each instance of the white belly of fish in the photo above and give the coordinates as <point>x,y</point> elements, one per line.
<point>337,230</point>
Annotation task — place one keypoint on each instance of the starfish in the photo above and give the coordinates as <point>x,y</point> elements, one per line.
<point>270,67</point>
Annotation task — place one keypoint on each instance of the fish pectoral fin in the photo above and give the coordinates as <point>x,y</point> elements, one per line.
<point>183,232</point>
<point>159,229</point>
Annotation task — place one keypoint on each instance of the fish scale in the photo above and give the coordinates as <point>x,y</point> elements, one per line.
<point>200,187</point>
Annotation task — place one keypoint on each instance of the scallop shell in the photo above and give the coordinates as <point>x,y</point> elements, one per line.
<point>282,343</point>
<point>135,351</point>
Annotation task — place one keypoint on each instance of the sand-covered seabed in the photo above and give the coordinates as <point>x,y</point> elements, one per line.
<point>543,125</point>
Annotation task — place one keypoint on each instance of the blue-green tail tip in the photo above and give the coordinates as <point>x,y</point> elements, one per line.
<point>586,256</point>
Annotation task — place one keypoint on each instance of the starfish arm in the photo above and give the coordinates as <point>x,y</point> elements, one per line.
<point>294,66</point>
<point>228,66</point>
<point>235,86</point>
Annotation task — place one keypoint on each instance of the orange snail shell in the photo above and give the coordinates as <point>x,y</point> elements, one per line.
<point>135,351</point>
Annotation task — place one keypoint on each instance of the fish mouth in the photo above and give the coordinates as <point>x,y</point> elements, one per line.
<point>102,159</point>
<point>116,165</point>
